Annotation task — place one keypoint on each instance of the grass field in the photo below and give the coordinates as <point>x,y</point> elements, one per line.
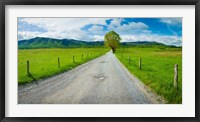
<point>44,62</point>
<point>157,70</point>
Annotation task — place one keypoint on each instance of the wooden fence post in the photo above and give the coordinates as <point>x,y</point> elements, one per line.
<point>58,62</point>
<point>82,57</point>
<point>140,63</point>
<point>129,59</point>
<point>73,59</point>
<point>176,76</point>
<point>28,68</point>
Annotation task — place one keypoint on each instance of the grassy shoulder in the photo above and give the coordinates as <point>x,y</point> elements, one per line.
<point>157,70</point>
<point>44,62</point>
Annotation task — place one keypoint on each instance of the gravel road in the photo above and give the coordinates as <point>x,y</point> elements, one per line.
<point>103,80</point>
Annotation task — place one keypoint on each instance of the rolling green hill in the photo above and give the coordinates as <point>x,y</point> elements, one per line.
<point>41,42</point>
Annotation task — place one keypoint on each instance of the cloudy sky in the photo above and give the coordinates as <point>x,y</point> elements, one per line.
<point>164,30</point>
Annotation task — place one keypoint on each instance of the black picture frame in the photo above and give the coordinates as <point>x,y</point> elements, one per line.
<point>99,2</point>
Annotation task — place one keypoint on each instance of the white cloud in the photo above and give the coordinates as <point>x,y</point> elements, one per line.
<point>63,24</point>
<point>172,21</point>
<point>134,26</point>
<point>96,29</point>
<point>131,27</point>
<point>168,40</point>
<point>53,34</point>
<point>60,27</point>
<point>97,38</point>
<point>115,22</point>
<point>27,34</point>
<point>71,28</point>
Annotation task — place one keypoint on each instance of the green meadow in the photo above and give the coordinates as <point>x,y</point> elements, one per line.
<point>44,62</point>
<point>157,69</point>
<point>157,66</point>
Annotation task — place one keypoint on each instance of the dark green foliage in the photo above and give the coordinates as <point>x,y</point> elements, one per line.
<point>40,42</point>
<point>112,40</point>
<point>144,44</point>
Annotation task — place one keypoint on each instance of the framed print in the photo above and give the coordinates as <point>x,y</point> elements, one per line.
<point>89,60</point>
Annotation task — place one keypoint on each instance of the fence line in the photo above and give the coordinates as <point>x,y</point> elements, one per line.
<point>58,62</point>
<point>176,76</point>
<point>140,63</point>
<point>175,81</point>
<point>28,68</point>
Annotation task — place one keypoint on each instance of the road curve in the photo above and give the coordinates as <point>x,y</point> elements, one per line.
<point>103,80</point>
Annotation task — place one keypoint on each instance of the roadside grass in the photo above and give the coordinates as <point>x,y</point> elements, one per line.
<point>157,70</point>
<point>44,62</point>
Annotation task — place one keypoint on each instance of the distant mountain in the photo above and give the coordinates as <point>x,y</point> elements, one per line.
<point>146,44</point>
<point>41,42</point>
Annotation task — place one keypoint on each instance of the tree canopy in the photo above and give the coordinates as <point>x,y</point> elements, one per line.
<point>112,40</point>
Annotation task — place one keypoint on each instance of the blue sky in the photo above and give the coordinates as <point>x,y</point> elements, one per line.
<point>163,30</point>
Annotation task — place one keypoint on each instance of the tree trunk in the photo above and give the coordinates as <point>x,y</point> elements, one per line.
<point>113,50</point>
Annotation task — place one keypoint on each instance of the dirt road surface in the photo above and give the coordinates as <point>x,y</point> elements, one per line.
<point>103,80</point>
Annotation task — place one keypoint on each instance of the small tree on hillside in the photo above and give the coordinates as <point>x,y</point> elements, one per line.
<point>112,40</point>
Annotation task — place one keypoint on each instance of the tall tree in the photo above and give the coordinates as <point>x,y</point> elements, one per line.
<point>112,40</point>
